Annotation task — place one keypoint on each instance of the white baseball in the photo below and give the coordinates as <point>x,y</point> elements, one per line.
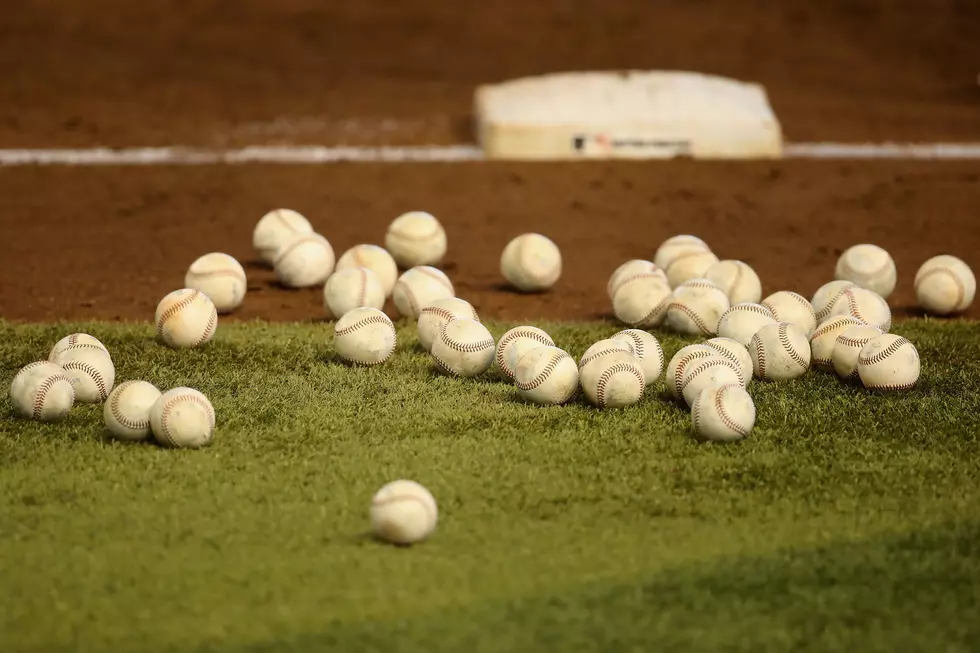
<point>352,288</point>
<point>613,381</point>
<point>945,285</point>
<point>42,391</point>
<point>304,261</point>
<point>546,375</point>
<point>828,297</point>
<point>221,278</point>
<point>689,265</point>
<point>435,315</point>
<point>848,346</point>
<point>515,343</point>
<point>629,269</point>
<point>641,301</point>
<point>531,263</point>
<point>787,306</point>
<point>419,287</point>
<point>604,347</point>
<point>735,352</point>
<point>723,413</point>
<point>696,308</point>
<point>741,321</point>
<point>90,370</point>
<point>824,338</point>
<point>867,306</point>
<point>186,318</point>
<point>676,245</point>
<point>464,348</point>
<point>680,361</point>
<point>127,410</point>
<point>869,266</point>
<point>780,352</point>
<point>737,279</point>
<point>275,228</point>
<point>416,238</point>
<point>403,512</point>
<point>711,371</point>
<point>182,418</point>
<point>364,336</point>
<point>76,340</point>
<point>647,350</point>
<point>889,363</point>
<point>374,258</point>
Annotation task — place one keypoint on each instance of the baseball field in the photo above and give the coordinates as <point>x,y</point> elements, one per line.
<point>846,519</point>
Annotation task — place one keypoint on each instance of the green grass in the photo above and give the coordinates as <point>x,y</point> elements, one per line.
<point>846,521</point>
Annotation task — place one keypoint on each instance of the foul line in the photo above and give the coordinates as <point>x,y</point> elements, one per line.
<point>313,154</point>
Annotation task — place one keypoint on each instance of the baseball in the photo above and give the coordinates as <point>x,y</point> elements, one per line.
<point>352,288</point>
<point>186,318</point>
<point>641,301</point>
<point>741,321</point>
<point>182,418</point>
<point>364,336</point>
<point>374,258</point>
<point>515,343</point>
<point>867,306</point>
<point>416,238</point>
<point>689,265</point>
<point>794,308</point>
<point>647,350</point>
<point>42,391</point>
<point>889,363</point>
<point>869,266</point>
<point>737,280</point>
<point>696,308</point>
<point>546,375</point>
<point>221,278</point>
<point>780,352</point>
<point>676,245</point>
<point>76,340</point>
<point>91,372</point>
<point>464,348</point>
<point>613,381</point>
<point>945,285</point>
<point>825,337</point>
<point>531,262</point>
<point>419,287</point>
<point>275,228</point>
<point>848,346</point>
<point>304,261</point>
<point>735,352</point>
<point>723,413</point>
<point>602,348</point>
<point>685,356</point>
<point>127,410</point>
<point>711,371</point>
<point>828,297</point>
<point>434,316</point>
<point>629,269</point>
<point>403,512</point>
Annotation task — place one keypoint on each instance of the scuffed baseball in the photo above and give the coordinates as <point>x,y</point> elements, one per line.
<point>546,375</point>
<point>867,306</point>
<point>780,352</point>
<point>186,318</point>
<point>416,238</point>
<point>352,288</point>
<point>824,338</point>
<point>945,285</point>
<point>42,391</point>
<point>629,269</point>
<point>647,350</point>
<point>304,261</point>
<point>419,287</point>
<point>679,362</point>
<point>403,512</point>
<point>828,297</point>
<point>675,246</point>
<point>696,308</point>
<point>374,258</point>
<point>641,301</point>
<point>221,278</point>
<point>275,228</point>
<point>364,336</point>
<point>712,371</point>
<point>90,370</point>
<point>434,316</point>
<point>735,352</point>
<point>741,321</point>
<point>889,363</point>
<point>464,348</point>
<point>515,343</point>
<point>848,346</point>
<point>788,306</point>
<point>76,340</point>
<point>613,381</point>
<point>127,410</point>
<point>689,265</point>
<point>604,347</point>
<point>869,266</point>
<point>723,413</point>
<point>182,418</point>
<point>736,279</point>
<point>531,263</point>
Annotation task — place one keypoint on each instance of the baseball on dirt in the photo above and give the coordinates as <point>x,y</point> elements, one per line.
<point>364,336</point>
<point>869,266</point>
<point>186,318</point>
<point>42,391</point>
<point>76,340</point>
<point>403,512</point>
<point>848,346</point>
<point>304,261</point>
<point>515,343</point>
<point>711,371</point>
<point>275,228</point>
<point>674,246</point>
<point>866,305</point>
<point>641,301</point>
<point>182,418</point>
<point>221,278</point>
<point>531,263</point>
<point>420,287</point>
<point>416,238</point>
<point>788,306</point>
<point>352,288</point>
<point>434,316</point>
<point>615,380</point>
<point>825,337</point>
<point>741,321</point>
<point>723,413</point>
<point>736,279</point>
<point>647,350</point>
<point>374,258</point>
<point>889,363</point>
<point>546,375</point>
<point>127,410</point>
<point>464,348</point>
<point>689,265</point>
<point>945,285</point>
<point>90,370</point>
<point>629,269</point>
<point>696,308</point>
<point>780,352</point>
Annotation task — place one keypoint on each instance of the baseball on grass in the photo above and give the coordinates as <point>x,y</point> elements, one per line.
<point>221,278</point>
<point>788,306</point>
<point>641,301</point>
<point>464,348</point>
<point>127,410</point>
<point>42,391</point>
<point>615,380</point>
<point>604,347</point>
<point>866,305</point>
<point>515,343</point>
<point>275,228</point>
<point>780,352</point>
<point>546,375</point>
<point>828,297</point>
<point>629,269</point>
<point>531,263</point>
<point>696,308</point>
<point>76,340</point>
<point>741,321</point>
<point>90,370</point>
<point>352,288</point>
<point>182,418</point>
<point>737,279</point>
<point>647,350</point>
<point>374,258</point>
<point>723,413</point>
<point>435,315</point>
<point>416,238</point>
<point>675,246</point>
<point>711,371</point>
<point>186,318</point>
<point>679,362</point>
<point>889,363</point>
<point>420,287</point>
<point>403,512</point>
<point>869,266</point>
<point>945,285</point>
<point>825,337</point>
<point>364,336</point>
<point>735,352</point>
<point>304,261</point>
<point>848,346</point>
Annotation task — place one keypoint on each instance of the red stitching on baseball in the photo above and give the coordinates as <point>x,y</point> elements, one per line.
<point>95,375</point>
<point>637,342</point>
<point>652,316</point>
<point>302,240</point>
<point>884,353</point>
<point>83,346</point>
<point>408,497</point>
<point>694,317</point>
<point>168,406</point>
<point>599,354</point>
<point>556,358</point>
<point>117,412</point>
<point>515,334</point>
<point>409,295</point>
<point>44,388</point>
<point>902,386</point>
<point>440,277</point>
<point>829,306</point>
<point>209,330</point>
<point>855,342</point>
<point>788,346</point>
<point>759,351</point>
<point>725,418</point>
<point>844,320</point>
<point>730,356</point>
<point>682,364</point>
<point>174,309</point>
<point>706,365</point>
<point>364,321</point>
<point>636,277</point>
<point>960,289</point>
<point>612,370</point>
<point>224,272</point>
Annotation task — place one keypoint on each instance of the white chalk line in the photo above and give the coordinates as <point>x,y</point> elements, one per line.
<point>315,154</point>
